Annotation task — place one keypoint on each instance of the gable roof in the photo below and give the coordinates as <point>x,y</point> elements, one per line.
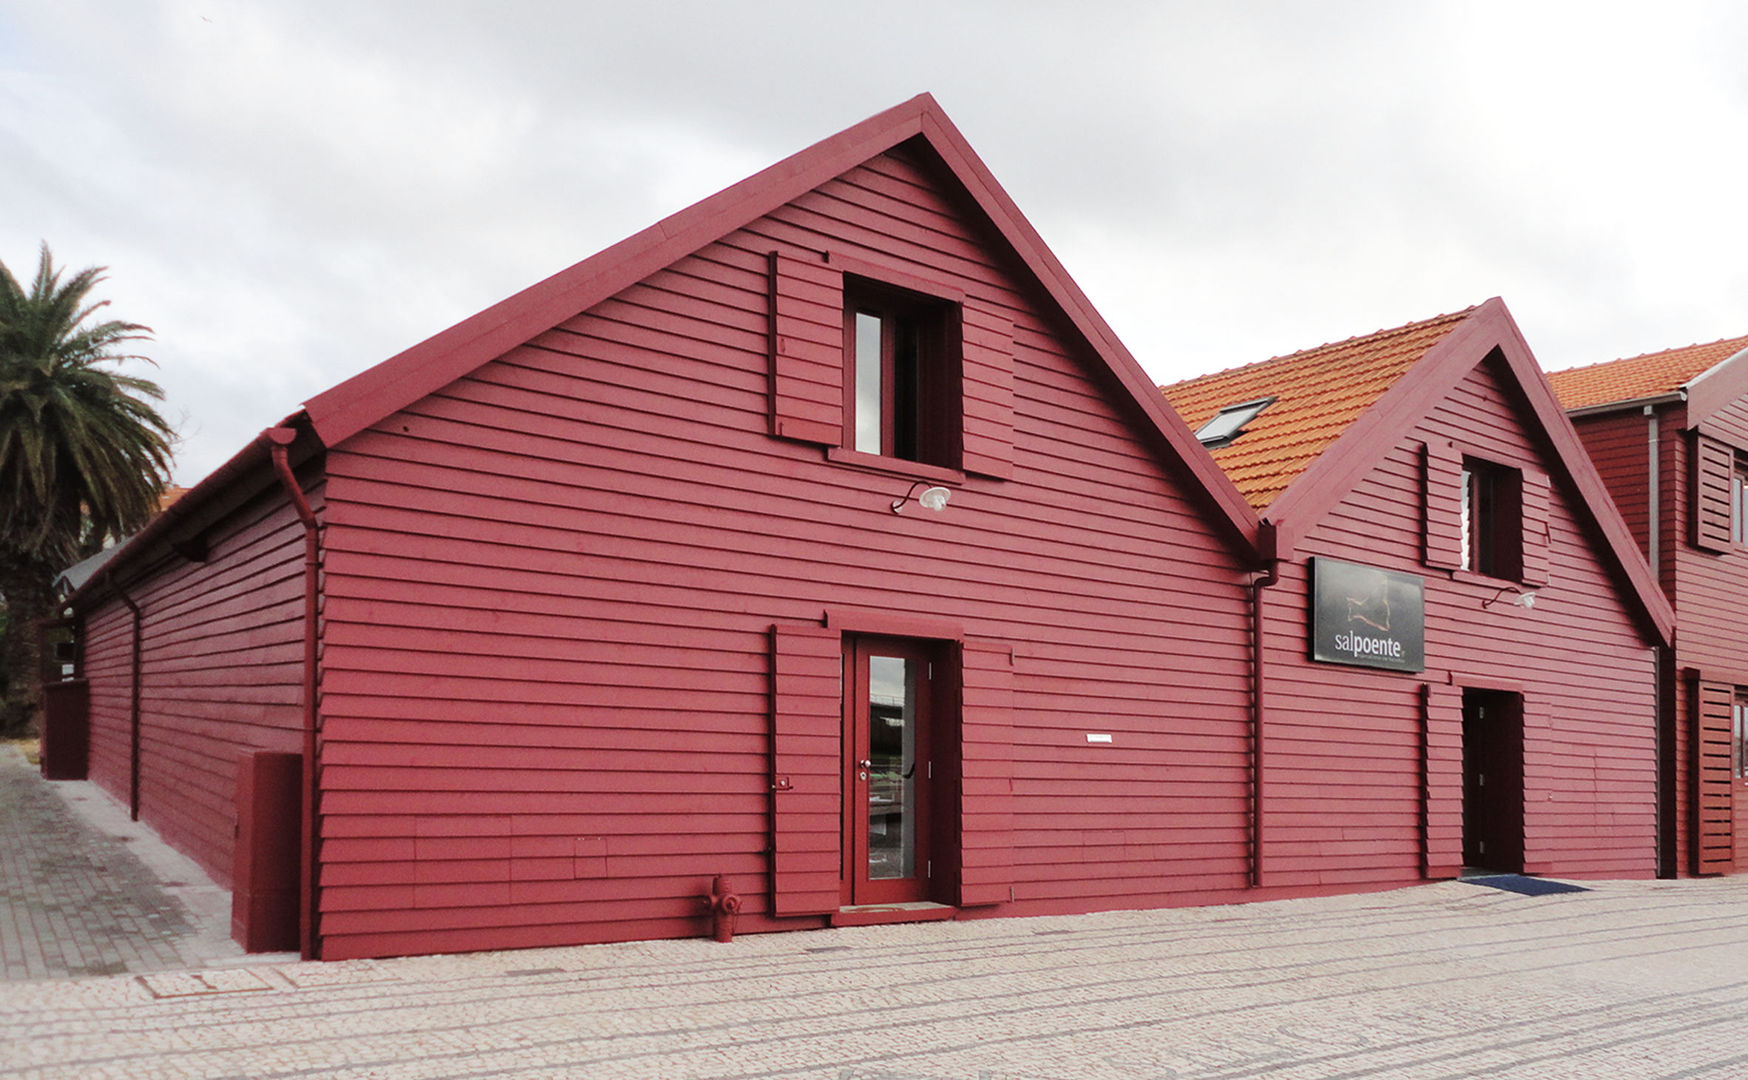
<point>1318,394</point>
<point>397,382</point>
<point>1640,380</point>
<point>1398,376</point>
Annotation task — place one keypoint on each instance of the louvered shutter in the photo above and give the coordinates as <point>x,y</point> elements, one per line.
<point>1441,504</point>
<point>1536,527</point>
<point>1441,755</point>
<point>987,390</point>
<point>1714,474</point>
<point>1714,786</point>
<point>807,350</point>
<point>807,764</point>
<point>986,812</point>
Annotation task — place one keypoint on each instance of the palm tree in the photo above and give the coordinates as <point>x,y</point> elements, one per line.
<point>83,454</point>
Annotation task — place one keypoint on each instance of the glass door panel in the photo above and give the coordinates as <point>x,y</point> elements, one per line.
<point>886,712</point>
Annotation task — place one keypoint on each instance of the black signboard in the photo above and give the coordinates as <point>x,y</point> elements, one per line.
<point>1367,617</point>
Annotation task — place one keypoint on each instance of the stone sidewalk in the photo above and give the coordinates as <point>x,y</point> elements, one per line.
<point>1626,981</point>
<point>86,891</point>
<point>1629,981</point>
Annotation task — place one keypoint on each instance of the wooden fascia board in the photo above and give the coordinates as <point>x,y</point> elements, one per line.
<point>1005,216</point>
<point>1594,498</point>
<point>393,384</point>
<point>1353,454</point>
<point>1489,329</point>
<point>1718,387</point>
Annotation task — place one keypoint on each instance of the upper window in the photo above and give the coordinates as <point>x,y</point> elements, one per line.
<point>1492,519</point>
<point>901,381</point>
<point>1739,503</point>
<point>1228,424</point>
<point>1738,731</point>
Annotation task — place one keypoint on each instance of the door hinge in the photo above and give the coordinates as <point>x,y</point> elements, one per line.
<point>930,872</point>
<point>931,771</point>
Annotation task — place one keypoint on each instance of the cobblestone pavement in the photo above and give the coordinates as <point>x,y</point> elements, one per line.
<point>1453,980</point>
<point>1627,981</point>
<point>86,891</point>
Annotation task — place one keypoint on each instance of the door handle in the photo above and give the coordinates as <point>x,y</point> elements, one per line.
<point>865,764</point>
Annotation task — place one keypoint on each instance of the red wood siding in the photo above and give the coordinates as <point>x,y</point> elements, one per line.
<point>1618,445</point>
<point>1714,780</point>
<point>222,650</point>
<point>551,585</point>
<point>1711,594</point>
<point>1344,745</point>
<point>1714,471</point>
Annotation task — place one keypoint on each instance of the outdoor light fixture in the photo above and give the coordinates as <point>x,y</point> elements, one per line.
<point>1524,598</point>
<point>932,498</point>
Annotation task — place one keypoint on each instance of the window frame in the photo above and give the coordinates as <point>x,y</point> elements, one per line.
<point>920,374</point>
<point>1490,519</point>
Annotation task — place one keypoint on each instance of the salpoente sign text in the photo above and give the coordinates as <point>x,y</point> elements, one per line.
<point>1367,617</point>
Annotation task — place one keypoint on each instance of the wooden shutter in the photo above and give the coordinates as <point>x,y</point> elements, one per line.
<point>1441,758</point>
<point>986,812</point>
<point>987,390</point>
<point>1714,472</point>
<point>807,769</point>
<point>1442,504</point>
<point>1714,850</point>
<point>1536,527</point>
<point>807,350</point>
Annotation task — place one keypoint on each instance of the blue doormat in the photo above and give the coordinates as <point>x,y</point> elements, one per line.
<point>1528,886</point>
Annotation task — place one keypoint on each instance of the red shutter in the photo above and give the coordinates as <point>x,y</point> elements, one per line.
<point>986,813</point>
<point>1714,471</point>
<point>1715,834</point>
<point>807,350</point>
<point>1441,756</point>
<point>1536,539</point>
<point>807,765</point>
<point>987,392</point>
<point>1442,504</point>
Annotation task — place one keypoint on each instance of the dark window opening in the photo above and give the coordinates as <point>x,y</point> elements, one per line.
<point>901,386</point>
<point>1492,519</point>
<point>1739,503</point>
<point>1228,424</point>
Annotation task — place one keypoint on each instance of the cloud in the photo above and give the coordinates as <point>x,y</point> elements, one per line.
<point>291,192</point>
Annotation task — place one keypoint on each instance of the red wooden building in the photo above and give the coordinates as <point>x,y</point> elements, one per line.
<point>1668,431</point>
<point>821,538</point>
<point>1459,650</point>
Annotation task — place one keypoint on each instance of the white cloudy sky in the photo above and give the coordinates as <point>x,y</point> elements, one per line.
<point>290,192</point>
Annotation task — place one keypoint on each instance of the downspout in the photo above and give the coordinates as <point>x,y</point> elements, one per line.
<point>133,707</point>
<point>280,438</point>
<point>1271,575</point>
<point>1653,538</point>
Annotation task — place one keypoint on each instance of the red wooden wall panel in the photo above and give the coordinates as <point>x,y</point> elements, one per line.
<point>550,589</point>
<point>220,676</point>
<point>1355,791</point>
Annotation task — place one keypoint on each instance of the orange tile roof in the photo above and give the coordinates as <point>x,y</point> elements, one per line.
<point>1650,375</point>
<point>1318,392</point>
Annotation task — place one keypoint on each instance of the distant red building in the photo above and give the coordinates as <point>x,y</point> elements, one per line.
<point>1669,434</point>
<point>1460,647</point>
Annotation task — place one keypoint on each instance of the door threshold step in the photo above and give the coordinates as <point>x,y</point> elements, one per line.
<point>881,914</point>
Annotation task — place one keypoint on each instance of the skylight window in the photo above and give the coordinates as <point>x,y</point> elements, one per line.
<point>1228,424</point>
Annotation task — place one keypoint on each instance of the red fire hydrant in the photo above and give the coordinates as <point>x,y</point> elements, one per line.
<point>724,906</point>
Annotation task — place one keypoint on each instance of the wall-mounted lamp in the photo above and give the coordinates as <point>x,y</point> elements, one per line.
<point>1523,598</point>
<point>932,498</point>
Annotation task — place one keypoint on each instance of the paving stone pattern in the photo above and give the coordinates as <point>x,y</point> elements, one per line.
<point>77,898</point>
<point>1448,981</point>
<point>1629,981</point>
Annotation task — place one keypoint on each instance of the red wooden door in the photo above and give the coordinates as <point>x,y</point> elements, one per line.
<point>888,769</point>
<point>1493,781</point>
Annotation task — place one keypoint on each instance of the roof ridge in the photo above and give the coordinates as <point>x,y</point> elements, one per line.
<point>1379,335</point>
<point>1649,355</point>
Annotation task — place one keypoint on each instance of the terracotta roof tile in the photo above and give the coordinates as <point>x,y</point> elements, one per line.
<point>1650,375</point>
<point>1318,392</point>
